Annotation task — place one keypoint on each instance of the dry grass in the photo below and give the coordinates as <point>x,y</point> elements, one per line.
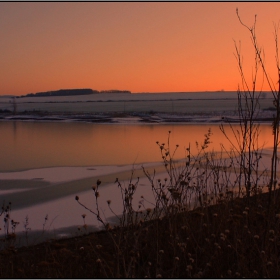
<point>225,240</point>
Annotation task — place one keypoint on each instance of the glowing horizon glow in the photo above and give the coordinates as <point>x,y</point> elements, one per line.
<point>141,47</point>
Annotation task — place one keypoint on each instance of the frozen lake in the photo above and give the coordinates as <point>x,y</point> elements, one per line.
<point>44,165</point>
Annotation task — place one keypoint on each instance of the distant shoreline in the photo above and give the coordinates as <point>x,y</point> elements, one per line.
<point>136,118</point>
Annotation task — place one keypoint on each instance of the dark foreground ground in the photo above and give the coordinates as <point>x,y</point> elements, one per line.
<point>234,239</point>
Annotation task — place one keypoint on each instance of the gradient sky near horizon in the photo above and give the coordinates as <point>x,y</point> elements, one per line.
<point>141,46</point>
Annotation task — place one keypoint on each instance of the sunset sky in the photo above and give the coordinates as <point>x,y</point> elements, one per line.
<point>141,47</point>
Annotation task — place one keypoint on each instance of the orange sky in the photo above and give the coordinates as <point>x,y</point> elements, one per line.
<point>141,47</point>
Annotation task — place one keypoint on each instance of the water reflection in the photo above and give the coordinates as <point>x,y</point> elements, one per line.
<point>29,145</point>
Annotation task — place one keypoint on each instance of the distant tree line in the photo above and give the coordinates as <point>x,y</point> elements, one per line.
<point>71,92</point>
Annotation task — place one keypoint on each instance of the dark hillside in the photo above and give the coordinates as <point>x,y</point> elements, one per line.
<point>72,92</point>
<point>63,92</point>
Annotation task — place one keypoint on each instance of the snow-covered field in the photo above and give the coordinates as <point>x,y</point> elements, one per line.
<point>186,103</point>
